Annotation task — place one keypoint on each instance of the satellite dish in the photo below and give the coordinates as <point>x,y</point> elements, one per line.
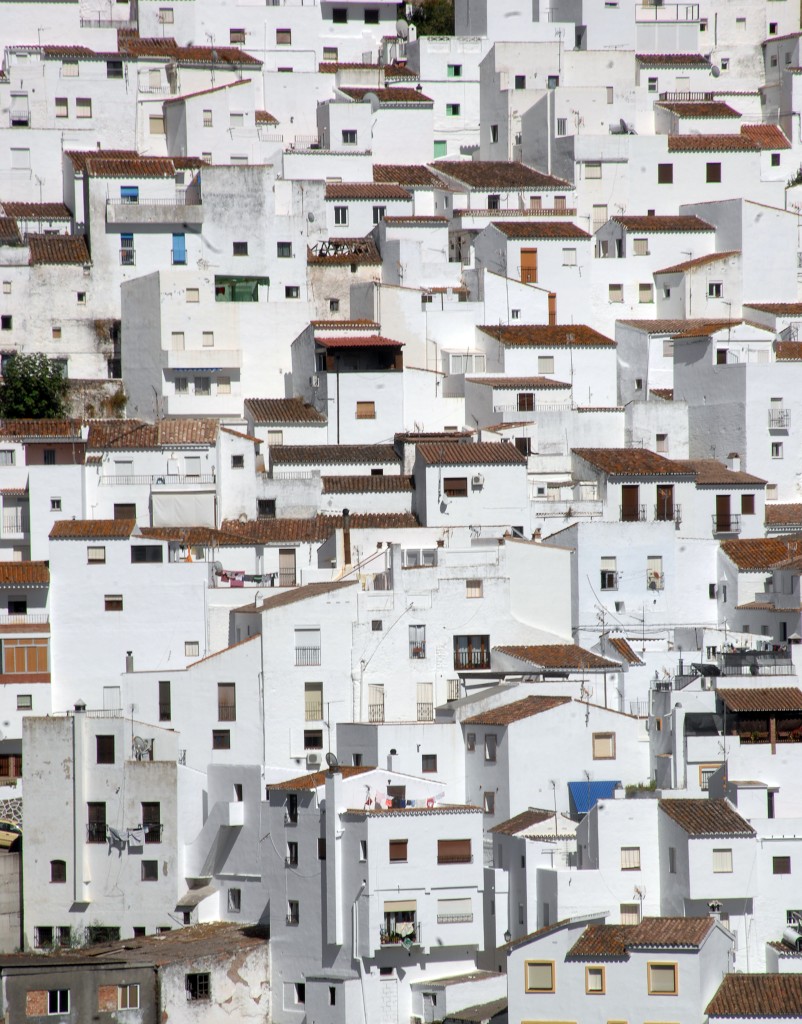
<point>243,517</point>
<point>140,745</point>
<point>715,71</point>
<point>331,760</point>
<point>402,28</point>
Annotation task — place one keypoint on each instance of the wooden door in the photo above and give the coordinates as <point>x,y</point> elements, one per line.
<point>723,517</point>
<point>630,503</point>
<point>529,266</point>
<point>286,567</point>
<point>552,309</point>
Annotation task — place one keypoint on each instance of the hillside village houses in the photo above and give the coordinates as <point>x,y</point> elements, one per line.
<point>402,619</point>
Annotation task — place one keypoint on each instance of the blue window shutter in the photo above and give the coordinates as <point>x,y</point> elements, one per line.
<point>130,193</point>
<point>179,249</point>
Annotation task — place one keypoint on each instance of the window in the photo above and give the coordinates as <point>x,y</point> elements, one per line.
<point>80,298</point>
<point>629,913</point>
<point>199,986</point>
<point>292,291</point>
<point>240,248</point>
<point>349,136</point>
<point>221,739</point>
<point>128,997</point>
<point>491,744</point>
<point>203,385</point>
<point>562,126</point>
<point>593,169</point>
<point>379,213</point>
<point>545,364</point>
<point>781,865</point>
<point>284,250</point>
<point>665,174</point>
<point>722,862</point>
<point>238,462</point>
<point>166,16</point>
<point>454,851</point>
<point>70,69</point>
<point>713,173</point>
<point>652,85</point>
<point>474,588</point>
<point>569,257</point>
<point>515,314</point>
<point>150,870</point>
<point>234,900</point>
<point>489,802</point>
<point>615,293</point>
<point>609,574</point>
<point>661,443</point>
<point>142,553</point>
<point>672,860</point>
<point>236,120</point>
<point>127,252</point>
<point>226,702</point>
<point>20,159</point>
<point>470,742</point>
<point>179,252</point>
<point>165,701</point>
<point>646,292</point>
<point>630,858</point>
<point>594,981</point>
<point>62,106</point>
<point>6,322</point>
<point>493,202</point>
<point>668,346</point>
<point>552,81</point>
<point>58,871</point>
<point>58,1001</point>
<point>539,975</point>
<point>152,821</point>
<point>307,645</point>
<point>236,36</point>
<point>494,133</point>
<point>603,746</point>
<point>24,702</point>
<point>775,159</point>
<point>454,71</point>
<point>341,216</point>
<point>334,305</point>
<point>455,486</point>
<point>105,749</point>
<point>113,602</point>
<point>55,504</point>
<point>662,979</point>
<point>156,124</point>
<point>428,762</point>
<point>366,410</point>
<point>777,449</point>
<point>96,826</point>
<point>339,15</point>
<point>114,69</point>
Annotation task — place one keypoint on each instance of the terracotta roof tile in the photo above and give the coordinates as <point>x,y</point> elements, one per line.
<point>264,117</point>
<point>331,67</point>
<point>358,341</point>
<point>558,230</point>
<point>423,221</point>
<point>672,60</point>
<point>408,175</point>
<point>520,383</point>
<point>169,48</point>
<point>664,394</point>
<point>282,410</point>
<point>770,698</point>
<point>333,455</point>
<point>507,714</point>
<point>367,190</point>
<point>310,531</point>
<point>632,462</point>
<point>135,434</point>
<point>712,472</point>
<point>30,211</point>
<point>766,136</point>
<point>93,529</point>
<point>789,514</point>
<point>206,92</point>
<point>540,336</point>
<point>58,249</point>
<point>384,484</point>
<point>9,232</point>
<point>698,261</point>
<point>498,174</point>
<point>297,594</point>
<point>667,326</point>
<point>524,820</point>
<point>396,70</point>
<point>664,224</point>
<point>65,50</point>
<point>557,656</point>
<point>756,555</point>
<point>600,942</point>
<point>24,429</point>
<point>766,996</point>
<point>706,817</point>
<point>483,453</point>
<point>24,573</point>
<point>711,144</point>
<point>101,166</point>
<point>79,158</point>
<point>387,96</point>
<point>788,351</point>
<point>700,109</point>
<point>613,941</point>
<point>622,645</point>
<point>316,779</point>
<point>344,252</point>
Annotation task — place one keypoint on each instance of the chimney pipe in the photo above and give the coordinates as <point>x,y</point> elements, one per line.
<point>129,661</point>
<point>347,536</point>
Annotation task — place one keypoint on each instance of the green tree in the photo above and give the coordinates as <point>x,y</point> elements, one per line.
<point>33,388</point>
<point>432,17</point>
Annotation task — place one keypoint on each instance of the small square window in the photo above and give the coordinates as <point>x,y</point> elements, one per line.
<point>615,292</point>
<point>452,110</point>
<point>593,169</point>
<point>662,979</point>
<point>156,124</point>
<point>747,504</point>
<point>339,15</point>
<point>428,762</point>
<point>474,588</point>
<point>665,174</point>
<point>283,36</point>
<point>24,702</point>
<point>150,871</point>
<point>113,602</point>
<point>62,106</point>
<point>238,462</point>
<point>713,173</point>
<point>83,107</point>
<point>193,295</point>
<point>781,865</point>
<point>661,444</point>
<point>652,85</point>
<point>341,216</point>
<point>366,410</point>
<point>80,298</point>
<point>630,858</point>
<point>55,504</point>
<point>284,250</point>
<point>221,739</point>
<point>594,981</point>
<point>539,975</point>
<point>775,159</point>
<point>603,746</point>
<point>240,248</point>
<point>777,450</point>
<point>236,36</point>
<point>454,71</point>
<point>292,291</point>
<point>191,648</point>
<point>334,305</point>
<point>6,322</point>
<point>207,339</point>
<point>520,81</point>
<point>722,862</point>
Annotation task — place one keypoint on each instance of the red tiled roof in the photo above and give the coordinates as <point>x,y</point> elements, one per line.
<point>31,211</point>
<point>135,434</point>
<point>756,555</point>
<point>766,136</point>
<point>667,326</point>
<point>663,224</point>
<point>789,513</point>
<point>632,462</point>
<point>483,453</point>
<point>712,472</point>
<point>700,109</point>
<point>64,50</point>
<point>384,484</point>
<point>424,221</point>
<point>316,779</point>
<point>396,70</point>
<point>777,308</point>
<point>498,174</point>
<point>358,341</point>
<point>170,49</point>
<point>331,67</point>
<point>9,232</point>
<point>672,60</point>
<point>93,529</point>
<point>557,656</point>
<point>770,698</point>
<point>699,261</point>
<point>24,573</point>
<point>386,96</point>
<point>541,229</point>
<point>540,336</point>
<point>282,410</point>
<point>761,996</point>
<point>345,252</point>
<point>621,644</point>
<point>613,941</point>
<point>24,429</point>
<point>711,144</point>
<point>101,166</point>
<point>507,714</point>
<point>50,250</point>
<point>366,190</point>
<point>788,351</point>
<point>308,531</point>
<point>706,817</point>
<point>264,117</point>
<point>408,175</point>
<point>333,454</point>
<point>288,597</point>
<point>524,820</point>
<point>665,394</point>
<point>79,158</point>
<point>520,383</point>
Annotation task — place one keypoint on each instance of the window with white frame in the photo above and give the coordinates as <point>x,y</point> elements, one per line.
<point>630,858</point>
<point>722,861</point>
<point>645,292</point>
<point>569,257</point>
<point>640,246</point>
<point>545,364</point>
<point>593,169</point>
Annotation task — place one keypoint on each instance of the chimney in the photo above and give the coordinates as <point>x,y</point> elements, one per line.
<point>346,536</point>
<point>80,706</point>
<point>734,462</point>
<point>537,535</point>
<point>129,661</point>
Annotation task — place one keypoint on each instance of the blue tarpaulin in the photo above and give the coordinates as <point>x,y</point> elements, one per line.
<point>585,794</point>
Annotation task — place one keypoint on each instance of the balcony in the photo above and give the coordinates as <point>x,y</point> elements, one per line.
<point>29,621</point>
<point>165,712</point>
<point>313,711</point>
<point>226,713</point>
<point>779,419</point>
<point>162,480</point>
<point>668,514</point>
<point>210,358</point>
<point>96,832</point>
<point>425,712</point>
<point>404,934</point>
<point>376,712</point>
<point>454,689</point>
<point>633,513</point>
<point>153,832</point>
<point>454,918</point>
<point>15,521</point>
<point>726,523</point>
<point>660,12</point>
<point>182,208</point>
<point>417,649</point>
<point>307,656</point>
<point>286,578</point>
<point>464,659</point>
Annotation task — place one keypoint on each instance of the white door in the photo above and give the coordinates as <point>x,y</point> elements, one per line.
<point>112,699</point>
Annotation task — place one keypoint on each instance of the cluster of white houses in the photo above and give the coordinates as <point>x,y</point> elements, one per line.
<point>404,623</point>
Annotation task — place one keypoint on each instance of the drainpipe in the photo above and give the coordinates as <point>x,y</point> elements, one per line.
<point>346,537</point>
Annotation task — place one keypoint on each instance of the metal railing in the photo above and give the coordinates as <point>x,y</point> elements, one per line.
<point>454,691</point>
<point>668,514</point>
<point>313,711</point>
<point>639,708</point>
<point>425,712</point>
<point>635,514</point>
<point>98,22</point>
<point>376,712</point>
<point>455,858</point>
<point>552,211</point>
<point>666,12</point>
<point>454,918</point>
<point>286,578</point>
<point>726,523</point>
<point>226,713</point>
<point>171,479</point>
<point>165,712</point>
<point>472,659</point>
<point>417,649</point>
<point>16,521</point>
<point>410,932</point>
<point>96,832</point>
<point>153,831</point>
<point>25,619</point>
<point>306,655</point>
<point>687,97</point>
<point>779,419</point>
<point>181,197</point>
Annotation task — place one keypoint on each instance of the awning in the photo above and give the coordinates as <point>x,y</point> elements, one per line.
<point>193,897</point>
<point>584,794</point>
<point>397,906</point>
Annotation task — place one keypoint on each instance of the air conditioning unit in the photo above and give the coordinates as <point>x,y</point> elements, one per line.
<point>477,480</point>
<point>314,759</point>
<point>314,380</point>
